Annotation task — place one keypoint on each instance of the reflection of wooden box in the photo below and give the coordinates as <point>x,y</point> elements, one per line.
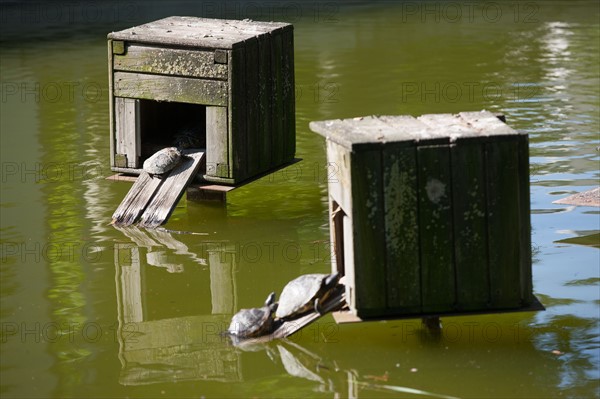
<point>430,215</point>
<point>229,82</point>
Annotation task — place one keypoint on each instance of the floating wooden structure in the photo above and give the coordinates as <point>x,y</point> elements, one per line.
<point>230,83</point>
<point>151,199</point>
<point>430,215</point>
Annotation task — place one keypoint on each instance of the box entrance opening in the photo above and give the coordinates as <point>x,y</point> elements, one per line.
<point>167,124</point>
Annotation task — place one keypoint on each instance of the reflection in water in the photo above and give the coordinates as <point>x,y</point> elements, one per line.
<point>171,348</point>
<point>193,347</point>
<point>540,63</point>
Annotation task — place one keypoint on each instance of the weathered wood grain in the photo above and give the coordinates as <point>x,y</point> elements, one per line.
<point>264,99</point>
<point>168,61</point>
<point>245,66</point>
<point>238,155</point>
<point>134,203</point>
<point>502,160</point>
<point>127,129</point>
<point>470,225</point>
<point>253,134</point>
<point>369,233</point>
<point>435,228</point>
<point>339,180</point>
<point>111,105</point>
<point>197,32</point>
<point>217,142</point>
<point>337,237</point>
<point>466,183</point>
<point>170,88</point>
<point>524,221</point>
<point>349,276</point>
<point>277,108</point>
<point>288,94</point>
<point>400,210</point>
<point>168,194</point>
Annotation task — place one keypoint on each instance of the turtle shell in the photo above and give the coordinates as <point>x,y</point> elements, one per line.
<point>298,295</point>
<point>163,161</point>
<point>253,322</point>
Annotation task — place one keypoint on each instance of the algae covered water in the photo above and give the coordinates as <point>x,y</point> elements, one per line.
<point>89,310</point>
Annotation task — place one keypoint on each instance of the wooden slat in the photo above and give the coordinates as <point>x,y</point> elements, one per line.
<point>470,227</point>
<point>135,201</point>
<point>502,160</point>
<point>237,115</point>
<point>111,104</point>
<point>168,194</point>
<point>252,108</point>
<point>401,228</point>
<point>510,264</point>
<point>524,221</point>
<point>217,144</point>
<point>170,88</point>
<point>168,61</point>
<point>264,96</point>
<point>127,131</point>
<point>277,121</point>
<point>349,277</point>
<point>369,232</point>
<point>339,180</point>
<point>435,228</point>
<point>289,104</point>
<point>337,236</point>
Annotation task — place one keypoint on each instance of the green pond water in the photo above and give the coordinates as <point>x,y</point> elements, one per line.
<point>92,311</point>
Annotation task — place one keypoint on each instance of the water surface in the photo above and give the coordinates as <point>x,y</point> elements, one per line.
<point>92,311</point>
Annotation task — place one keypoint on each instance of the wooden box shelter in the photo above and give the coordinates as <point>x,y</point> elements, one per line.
<point>430,215</point>
<point>230,83</point>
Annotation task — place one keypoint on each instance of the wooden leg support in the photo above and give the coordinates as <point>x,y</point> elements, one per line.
<point>432,324</point>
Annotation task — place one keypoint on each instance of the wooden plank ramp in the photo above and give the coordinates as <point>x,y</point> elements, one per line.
<point>151,200</point>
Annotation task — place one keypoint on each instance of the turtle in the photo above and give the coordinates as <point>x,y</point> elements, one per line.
<point>189,136</point>
<point>254,322</point>
<point>304,294</point>
<point>163,161</point>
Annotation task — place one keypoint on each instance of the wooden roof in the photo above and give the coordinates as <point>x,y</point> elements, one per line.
<point>198,32</point>
<point>425,129</point>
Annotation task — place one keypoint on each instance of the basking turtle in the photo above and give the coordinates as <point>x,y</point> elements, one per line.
<point>248,323</point>
<point>163,161</point>
<point>304,294</point>
<point>189,136</point>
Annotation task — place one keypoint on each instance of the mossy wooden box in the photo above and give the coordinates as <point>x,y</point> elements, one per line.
<point>429,215</point>
<point>229,82</point>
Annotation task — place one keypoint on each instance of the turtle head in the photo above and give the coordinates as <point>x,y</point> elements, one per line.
<point>332,280</point>
<point>270,303</point>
